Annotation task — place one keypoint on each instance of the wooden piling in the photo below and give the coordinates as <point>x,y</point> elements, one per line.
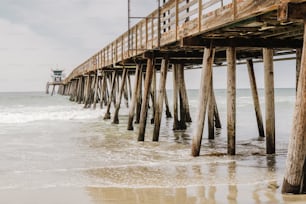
<point>129,86</point>
<point>102,89</point>
<point>109,86</point>
<point>113,87</point>
<point>160,100</point>
<point>145,100</point>
<point>231,100</point>
<point>168,112</point>
<point>72,91</point>
<point>182,97</point>
<point>153,95</point>
<point>208,59</point>
<point>295,171</point>
<point>96,90</point>
<point>134,98</point>
<point>92,90</point>
<point>88,92</point>
<point>77,90</point>
<point>59,89</point>
<point>269,100</point>
<point>105,93</point>
<point>53,90</point>
<point>175,98</point>
<point>216,111</point>
<point>84,85</point>
<point>116,113</point>
<point>185,95</point>
<point>139,97</point>
<point>81,90</point>
<point>211,111</point>
<point>298,66</point>
<point>126,90</point>
<point>256,103</point>
<point>47,88</point>
<point>86,88</point>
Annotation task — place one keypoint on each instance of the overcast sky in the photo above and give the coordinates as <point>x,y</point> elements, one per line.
<point>38,35</point>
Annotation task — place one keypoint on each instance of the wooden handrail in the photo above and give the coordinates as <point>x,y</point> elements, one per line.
<point>178,19</point>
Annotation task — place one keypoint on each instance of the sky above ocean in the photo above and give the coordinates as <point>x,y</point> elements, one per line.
<point>39,35</point>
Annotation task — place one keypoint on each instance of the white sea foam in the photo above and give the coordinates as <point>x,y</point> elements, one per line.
<point>30,114</point>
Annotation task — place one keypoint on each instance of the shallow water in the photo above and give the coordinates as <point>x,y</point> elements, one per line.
<point>54,151</point>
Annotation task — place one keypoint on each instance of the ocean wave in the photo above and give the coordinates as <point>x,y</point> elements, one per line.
<point>31,114</point>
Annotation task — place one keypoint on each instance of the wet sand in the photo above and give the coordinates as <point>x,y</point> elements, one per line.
<point>260,193</point>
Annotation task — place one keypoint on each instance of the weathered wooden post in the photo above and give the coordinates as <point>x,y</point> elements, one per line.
<point>53,89</point>
<point>116,113</point>
<point>83,89</point>
<point>175,97</point>
<point>216,112</point>
<point>298,66</point>
<point>107,113</point>
<point>129,86</point>
<point>181,95</point>
<point>211,111</point>
<point>139,97</point>
<point>145,102</point>
<point>208,59</point>
<point>257,109</point>
<point>79,90</point>
<point>231,100</point>
<point>183,91</point>
<point>96,90</point>
<point>134,97</point>
<point>295,171</point>
<point>103,88</point>
<point>160,100</point>
<point>269,100</point>
<point>126,90</point>
<point>153,95</point>
<point>47,88</point>
<point>88,90</point>
<point>168,113</point>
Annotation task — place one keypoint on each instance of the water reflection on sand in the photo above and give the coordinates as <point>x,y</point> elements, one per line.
<point>230,182</point>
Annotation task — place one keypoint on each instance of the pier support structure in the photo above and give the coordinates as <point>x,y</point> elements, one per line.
<point>206,75</point>
<point>123,83</point>
<point>134,97</point>
<point>145,101</point>
<point>257,108</point>
<point>160,100</point>
<point>294,179</point>
<point>231,100</point>
<point>112,94</point>
<point>269,100</point>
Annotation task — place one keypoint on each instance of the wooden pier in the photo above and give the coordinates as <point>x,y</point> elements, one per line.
<point>184,33</point>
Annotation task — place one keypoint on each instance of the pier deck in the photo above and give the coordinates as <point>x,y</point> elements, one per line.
<point>185,28</point>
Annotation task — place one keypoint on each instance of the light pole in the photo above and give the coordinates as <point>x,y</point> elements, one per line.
<point>129,22</point>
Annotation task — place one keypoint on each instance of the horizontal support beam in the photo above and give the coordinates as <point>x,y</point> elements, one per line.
<point>292,11</point>
<point>241,42</point>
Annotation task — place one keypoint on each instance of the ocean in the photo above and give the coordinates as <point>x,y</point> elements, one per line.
<point>55,151</point>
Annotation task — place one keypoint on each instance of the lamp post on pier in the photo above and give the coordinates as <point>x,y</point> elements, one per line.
<point>136,17</point>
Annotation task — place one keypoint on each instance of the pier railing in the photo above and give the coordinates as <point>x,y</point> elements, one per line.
<point>178,19</point>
